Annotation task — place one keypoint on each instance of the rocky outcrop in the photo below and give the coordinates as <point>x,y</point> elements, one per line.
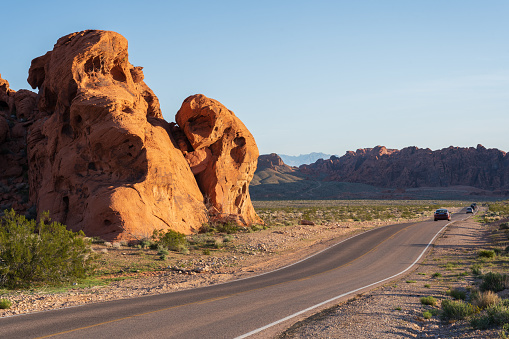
<point>16,114</point>
<point>102,161</point>
<point>274,162</point>
<point>223,155</point>
<point>100,156</point>
<point>414,167</point>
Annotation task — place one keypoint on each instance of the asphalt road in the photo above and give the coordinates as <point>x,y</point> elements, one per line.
<point>253,307</point>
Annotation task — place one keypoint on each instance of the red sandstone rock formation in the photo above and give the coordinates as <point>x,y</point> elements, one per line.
<point>414,167</point>
<point>274,162</point>
<point>102,160</point>
<point>100,157</point>
<point>223,155</point>
<point>15,115</point>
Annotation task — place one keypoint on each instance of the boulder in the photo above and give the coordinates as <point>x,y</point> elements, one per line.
<point>223,155</point>
<point>103,160</point>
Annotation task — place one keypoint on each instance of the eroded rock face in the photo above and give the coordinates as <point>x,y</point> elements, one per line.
<point>103,159</point>
<point>274,162</point>
<point>223,155</point>
<point>417,167</point>
<point>16,114</point>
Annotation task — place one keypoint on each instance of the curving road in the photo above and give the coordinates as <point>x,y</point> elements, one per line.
<point>253,307</point>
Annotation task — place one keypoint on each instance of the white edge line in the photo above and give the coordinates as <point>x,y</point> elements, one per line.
<point>344,294</point>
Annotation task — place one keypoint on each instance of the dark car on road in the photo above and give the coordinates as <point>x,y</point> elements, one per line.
<point>442,214</point>
<point>470,210</point>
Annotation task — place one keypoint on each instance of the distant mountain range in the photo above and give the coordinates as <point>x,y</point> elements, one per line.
<point>409,173</point>
<point>297,160</point>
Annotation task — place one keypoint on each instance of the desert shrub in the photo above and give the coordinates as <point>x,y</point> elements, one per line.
<point>476,269</point>
<point>256,228</point>
<point>228,227</point>
<point>41,252</point>
<point>457,293</point>
<point>484,299</point>
<point>456,310</point>
<point>146,243</point>
<point>436,275</point>
<point>172,240</point>
<point>206,228</point>
<point>163,253</point>
<point>486,254</point>
<point>218,243</point>
<point>426,315</point>
<point>504,226</point>
<point>183,249</point>
<point>481,322</point>
<point>495,315</point>
<point>206,251</point>
<point>5,304</point>
<point>429,300</point>
<point>495,282</point>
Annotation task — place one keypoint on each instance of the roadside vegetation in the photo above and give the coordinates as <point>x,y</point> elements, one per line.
<point>38,253</point>
<point>333,211</point>
<point>476,281</point>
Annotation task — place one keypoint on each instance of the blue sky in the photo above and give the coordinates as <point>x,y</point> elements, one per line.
<point>304,76</point>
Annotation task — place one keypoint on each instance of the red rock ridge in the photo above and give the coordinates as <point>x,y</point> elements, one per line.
<point>414,167</point>
<point>274,162</point>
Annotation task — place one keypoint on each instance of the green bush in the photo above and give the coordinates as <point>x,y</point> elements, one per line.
<point>495,282</point>
<point>457,293</point>
<point>229,228</point>
<point>429,300</point>
<point>41,253</point>
<point>456,310</point>
<point>437,275</point>
<point>486,254</point>
<point>172,240</point>
<point>163,253</point>
<point>5,304</point>
<point>427,315</point>
<point>476,269</point>
<point>145,243</point>
<point>495,315</point>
